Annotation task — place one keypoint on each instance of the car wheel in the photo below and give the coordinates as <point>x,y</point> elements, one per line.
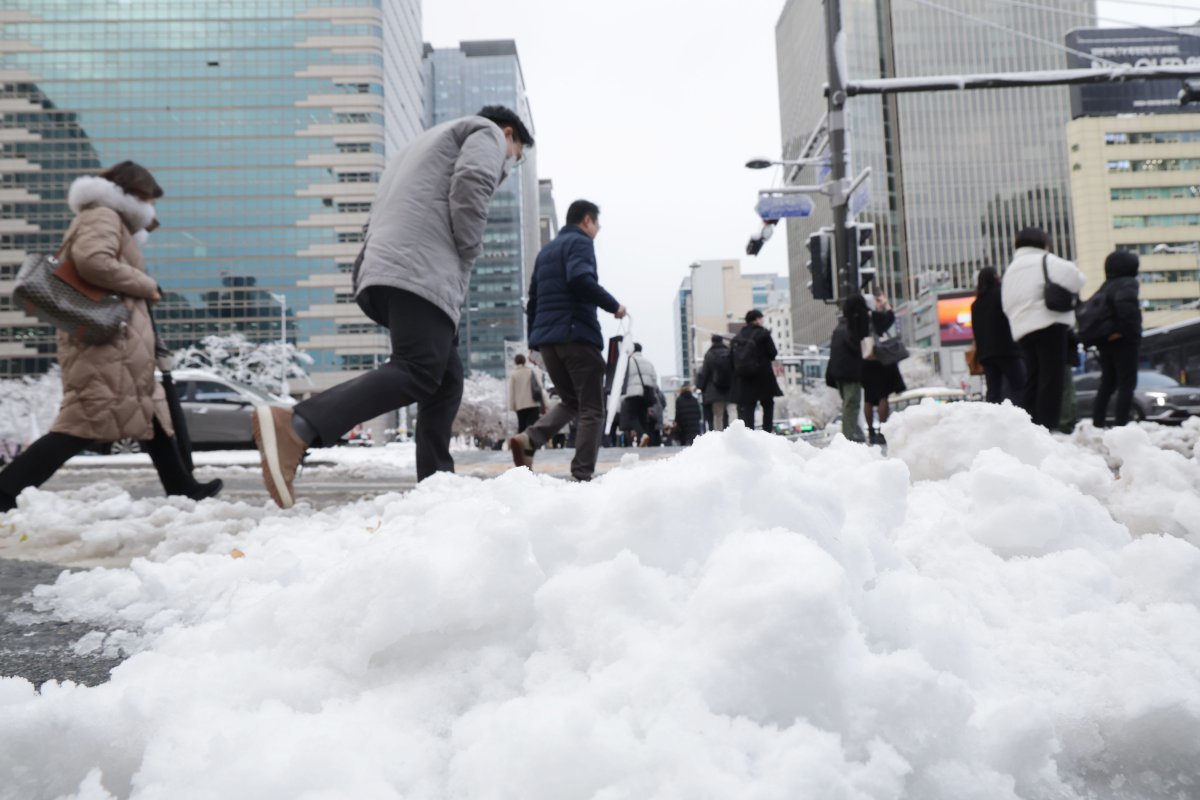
<point>1137,414</point>
<point>126,446</point>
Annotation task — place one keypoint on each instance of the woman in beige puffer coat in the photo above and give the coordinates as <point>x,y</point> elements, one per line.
<point>109,391</point>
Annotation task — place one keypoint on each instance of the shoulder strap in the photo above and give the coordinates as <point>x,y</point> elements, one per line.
<point>72,232</point>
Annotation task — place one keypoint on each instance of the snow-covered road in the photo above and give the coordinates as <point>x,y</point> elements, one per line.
<point>990,612</point>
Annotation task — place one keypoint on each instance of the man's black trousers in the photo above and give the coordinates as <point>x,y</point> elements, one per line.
<point>424,369</point>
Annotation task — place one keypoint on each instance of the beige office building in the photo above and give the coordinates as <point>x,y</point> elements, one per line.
<point>1135,184</point>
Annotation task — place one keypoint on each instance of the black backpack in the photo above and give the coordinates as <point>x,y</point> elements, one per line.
<point>718,373</point>
<point>747,360</point>
<point>1096,318</point>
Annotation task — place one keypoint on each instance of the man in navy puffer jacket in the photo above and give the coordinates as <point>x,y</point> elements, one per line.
<point>565,328</point>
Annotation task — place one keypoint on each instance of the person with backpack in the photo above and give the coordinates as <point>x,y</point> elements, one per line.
<point>754,383</point>
<point>525,394</point>
<point>641,387</point>
<point>845,369</point>
<point>879,380</point>
<point>1116,332</point>
<point>1030,296</point>
<point>715,380</point>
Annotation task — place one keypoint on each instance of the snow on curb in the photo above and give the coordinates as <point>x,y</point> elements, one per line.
<point>990,613</point>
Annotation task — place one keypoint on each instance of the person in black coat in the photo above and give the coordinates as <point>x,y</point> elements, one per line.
<point>687,416</point>
<point>1119,355</point>
<point>758,386</point>
<point>1003,366</point>
<point>845,369</point>
<point>880,380</point>
<point>715,380</point>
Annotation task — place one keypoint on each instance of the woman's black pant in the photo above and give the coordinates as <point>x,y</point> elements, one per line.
<point>37,463</point>
<point>1005,376</point>
<point>1118,372</point>
<point>1045,353</point>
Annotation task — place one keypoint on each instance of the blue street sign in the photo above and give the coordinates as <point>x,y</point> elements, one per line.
<point>779,206</point>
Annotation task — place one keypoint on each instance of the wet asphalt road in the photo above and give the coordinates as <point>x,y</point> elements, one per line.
<point>33,645</point>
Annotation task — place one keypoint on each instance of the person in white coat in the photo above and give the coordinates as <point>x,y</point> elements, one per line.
<point>641,383</point>
<point>1040,332</point>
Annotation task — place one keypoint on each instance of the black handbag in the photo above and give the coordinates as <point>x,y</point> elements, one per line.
<point>50,288</point>
<point>890,351</point>
<point>1056,296</point>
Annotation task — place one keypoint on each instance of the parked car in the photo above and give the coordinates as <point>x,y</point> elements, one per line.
<point>217,411</point>
<point>1157,398</point>
<point>914,397</point>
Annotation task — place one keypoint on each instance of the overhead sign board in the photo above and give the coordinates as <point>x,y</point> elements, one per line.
<point>781,206</point>
<point>1136,47</point>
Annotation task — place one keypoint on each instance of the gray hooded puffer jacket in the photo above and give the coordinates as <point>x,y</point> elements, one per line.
<point>428,218</point>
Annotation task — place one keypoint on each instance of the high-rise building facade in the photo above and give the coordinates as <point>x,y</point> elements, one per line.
<point>547,212</point>
<point>1136,184</point>
<point>954,174</point>
<point>1135,168</point>
<point>458,82</point>
<point>263,120</point>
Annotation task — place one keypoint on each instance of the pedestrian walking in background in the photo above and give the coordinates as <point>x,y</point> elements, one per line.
<point>426,231</point>
<point>845,369</point>
<point>1003,364</point>
<point>752,352</point>
<point>565,328</point>
<point>109,390</point>
<point>641,390</point>
<point>1040,331</point>
<point>1119,350</point>
<point>525,394</point>
<point>715,380</point>
<point>879,379</point>
<point>687,416</point>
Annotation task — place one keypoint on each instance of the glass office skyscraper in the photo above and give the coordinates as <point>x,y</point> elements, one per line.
<point>954,174</point>
<point>263,120</point>
<point>458,82</point>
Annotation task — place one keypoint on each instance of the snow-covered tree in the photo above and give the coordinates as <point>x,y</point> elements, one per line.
<point>819,403</point>
<point>484,413</point>
<point>27,409</point>
<point>918,371</point>
<point>261,365</point>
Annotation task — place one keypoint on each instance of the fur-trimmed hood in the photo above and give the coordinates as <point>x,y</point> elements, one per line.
<point>94,191</point>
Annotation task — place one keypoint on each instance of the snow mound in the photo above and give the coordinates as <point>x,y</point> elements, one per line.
<point>752,618</point>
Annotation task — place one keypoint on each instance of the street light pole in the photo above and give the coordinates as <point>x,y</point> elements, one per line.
<point>835,95</point>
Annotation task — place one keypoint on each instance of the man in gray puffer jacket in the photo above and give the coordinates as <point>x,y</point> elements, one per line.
<point>425,233</point>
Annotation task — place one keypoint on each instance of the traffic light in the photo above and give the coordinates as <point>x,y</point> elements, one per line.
<point>861,258</point>
<point>820,264</point>
<point>1190,93</point>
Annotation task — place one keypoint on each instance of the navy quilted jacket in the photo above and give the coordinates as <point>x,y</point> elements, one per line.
<point>565,292</point>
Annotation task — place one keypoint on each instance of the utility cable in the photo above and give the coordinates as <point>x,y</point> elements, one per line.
<point>1020,34</point>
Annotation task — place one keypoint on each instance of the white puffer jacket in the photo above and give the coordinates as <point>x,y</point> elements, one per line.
<point>1022,290</point>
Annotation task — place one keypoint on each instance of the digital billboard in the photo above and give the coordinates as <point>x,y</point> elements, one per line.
<point>954,318</point>
<point>1136,47</point>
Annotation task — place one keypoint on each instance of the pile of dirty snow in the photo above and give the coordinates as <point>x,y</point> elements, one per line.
<point>988,613</point>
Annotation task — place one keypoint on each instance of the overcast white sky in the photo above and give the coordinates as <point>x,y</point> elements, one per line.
<point>650,108</point>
